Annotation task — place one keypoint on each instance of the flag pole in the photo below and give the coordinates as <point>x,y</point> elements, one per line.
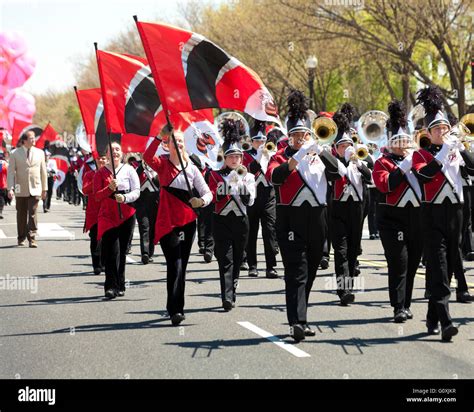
<point>165,108</point>
<point>108,132</point>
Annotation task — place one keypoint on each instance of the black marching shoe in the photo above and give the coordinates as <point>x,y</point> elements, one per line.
<point>308,331</point>
<point>463,297</point>
<point>347,298</point>
<point>324,263</point>
<point>297,332</point>
<point>145,259</point>
<point>357,269</point>
<point>207,256</point>
<point>177,318</point>
<point>448,332</point>
<point>408,313</point>
<point>432,329</point>
<point>372,237</point>
<point>469,256</point>
<point>271,274</point>
<point>399,316</point>
<point>121,293</point>
<point>228,305</point>
<point>253,272</point>
<point>110,294</point>
<point>201,250</point>
<point>244,266</point>
<point>97,271</point>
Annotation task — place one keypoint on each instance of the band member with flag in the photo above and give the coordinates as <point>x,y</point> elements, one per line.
<point>300,173</point>
<point>398,212</point>
<point>147,209</point>
<point>347,209</point>
<point>115,228</point>
<point>92,212</point>
<point>439,169</point>
<point>233,189</point>
<point>176,220</point>
<point>264,209</point>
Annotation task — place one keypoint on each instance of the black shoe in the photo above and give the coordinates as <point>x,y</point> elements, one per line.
<point>244,266</point>
<point>150,260</point>
<point>324,263</point>
<point>297,332</point>
<point>110,294</point>
<point>129,251</point>
<point>469,256</point>
<point>207,256</point>
<point>427,294</point>
<point>121,293</point>
<point>177,318</point>
<point>227,305</point>
<point>145,259</point>
<point>45,210</point>
<point>271,274</point>
<point>463,297</point>
<point>308,331</point>
<point>432,329</point>
<point>253,272</point>
<point>347,298</point>
<point>201,250</point>
<point>372,237</point>
<point>408,313</point>
<point>357,269</point>
<point>399,316</point>
<point>97,271</point>
<point>448,332</point>
<point>1,217</point>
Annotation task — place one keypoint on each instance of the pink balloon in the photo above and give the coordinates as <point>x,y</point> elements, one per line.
<point>18,104</point>
<point>16,64</point>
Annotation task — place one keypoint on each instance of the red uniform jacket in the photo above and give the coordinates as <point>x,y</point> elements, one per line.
<point>108,217</point>
<point>215,182</point>
<point>172,210</point>
<point>432,186</point>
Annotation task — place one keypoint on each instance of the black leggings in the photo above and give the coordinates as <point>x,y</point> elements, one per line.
<point>176,247</point>
<point>114,246</point>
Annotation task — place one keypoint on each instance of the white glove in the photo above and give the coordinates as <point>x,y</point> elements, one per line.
<point>459,145</point>
<point>447,146</point>
<point>406,163</point>
<point>298,156</point>
<point>258,157</point>
<point>233,178</point>
<point>350,151</point>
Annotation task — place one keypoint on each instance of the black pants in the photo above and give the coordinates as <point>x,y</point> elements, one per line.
<point>467,245</point>
<point>96,248</point>
<point>230,235</point>
<point>301,232</point>
<point>49,194</point>
<point>147,209</point>
<point>372,216</point>
<point>114,246</point>
<point>442,225</point>
<point>346,225</point>
<point>264,211</point>
<point>402,240</point>
<point>205,239</point>
<point>176,247</point>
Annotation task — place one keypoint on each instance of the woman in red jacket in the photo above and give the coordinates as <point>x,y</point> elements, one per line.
<point>115,230</point>
<point>176,220</point>
<point>92,214</point>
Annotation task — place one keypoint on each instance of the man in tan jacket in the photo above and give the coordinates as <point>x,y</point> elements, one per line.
<point>27,181</point>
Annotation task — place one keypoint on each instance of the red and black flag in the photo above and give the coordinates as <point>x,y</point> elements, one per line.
<point>49,135</point>
<point>20,127</point>
<point>60,153</point>
<point>193,73</point>
<point>132,104</point>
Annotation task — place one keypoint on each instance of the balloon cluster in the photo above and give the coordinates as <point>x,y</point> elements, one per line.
<point>16,67</point>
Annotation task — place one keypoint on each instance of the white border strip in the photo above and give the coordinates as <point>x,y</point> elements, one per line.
<point>282,344</point>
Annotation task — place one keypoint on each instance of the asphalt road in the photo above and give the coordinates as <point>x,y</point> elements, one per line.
<point>67,330</point>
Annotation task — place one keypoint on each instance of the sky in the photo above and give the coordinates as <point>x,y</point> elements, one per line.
<point>60,32</point>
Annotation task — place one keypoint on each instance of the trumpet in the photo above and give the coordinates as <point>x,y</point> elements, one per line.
<point>241,170</point>
<point>468,121</point>
<point>324,130</point>
<point>362,152</point>
<point>270,147</point>
<point>220,157</point>
<point>422,139</point>
<point>355,136</point>
<point>246,146</point>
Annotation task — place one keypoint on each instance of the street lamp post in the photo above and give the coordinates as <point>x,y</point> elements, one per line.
<point>311,64</point>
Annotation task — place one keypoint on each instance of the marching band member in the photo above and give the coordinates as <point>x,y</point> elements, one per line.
<point>438,170</point>
<point>233,189</point>
<point>299,173</point>
<point>147,209</point>
<point>398,212</point>
<point>176,220</point>
<point>92,213</point>
<point>347,210</point>
<point>115,230</point>
<point>264,209</point>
